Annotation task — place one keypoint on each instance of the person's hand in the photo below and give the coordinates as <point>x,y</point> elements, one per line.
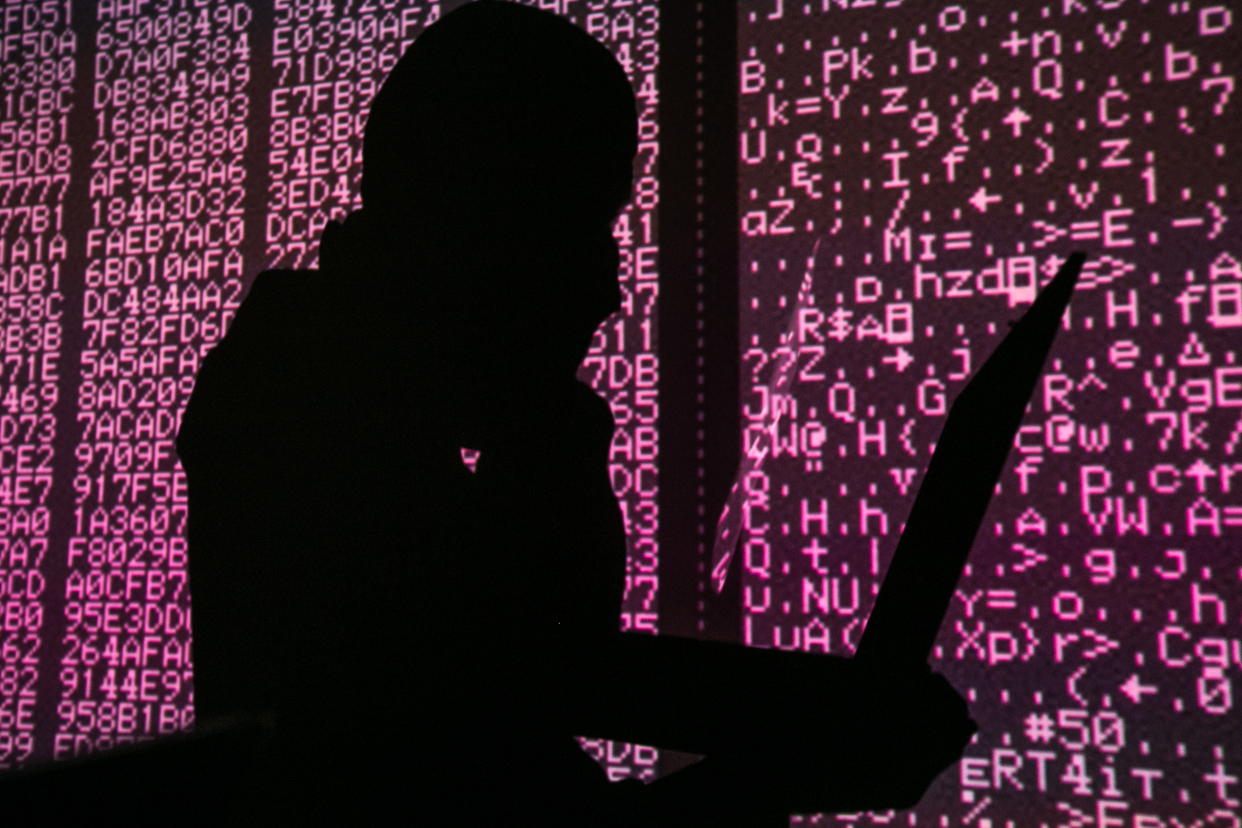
<point>871,741</point>
<point>881,745</point>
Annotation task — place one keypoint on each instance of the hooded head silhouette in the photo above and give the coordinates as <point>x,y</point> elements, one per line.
<point>496,156</point>
<point>501,111</point>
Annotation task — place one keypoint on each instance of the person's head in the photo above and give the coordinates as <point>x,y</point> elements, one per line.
<point>502,142</point>
<point>498,108</point>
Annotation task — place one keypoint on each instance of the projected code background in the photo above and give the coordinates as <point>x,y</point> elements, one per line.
<point>155,157</point>
<point>939,161</point>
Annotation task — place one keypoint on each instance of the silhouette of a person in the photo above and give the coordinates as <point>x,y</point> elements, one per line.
<point>428,641</point>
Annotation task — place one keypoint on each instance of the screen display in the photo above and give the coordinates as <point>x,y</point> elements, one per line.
<point>154,158</point>
<point>909,175</point>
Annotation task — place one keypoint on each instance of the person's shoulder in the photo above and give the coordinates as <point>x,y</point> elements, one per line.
<point>284,312</point>
<point>276,294</point>
<point>238,370</point>
<point>284,280</point>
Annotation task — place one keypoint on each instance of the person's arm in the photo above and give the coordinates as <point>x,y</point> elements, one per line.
<point>782,732</point>
<point>756,714</point>
<point>703,696</point>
